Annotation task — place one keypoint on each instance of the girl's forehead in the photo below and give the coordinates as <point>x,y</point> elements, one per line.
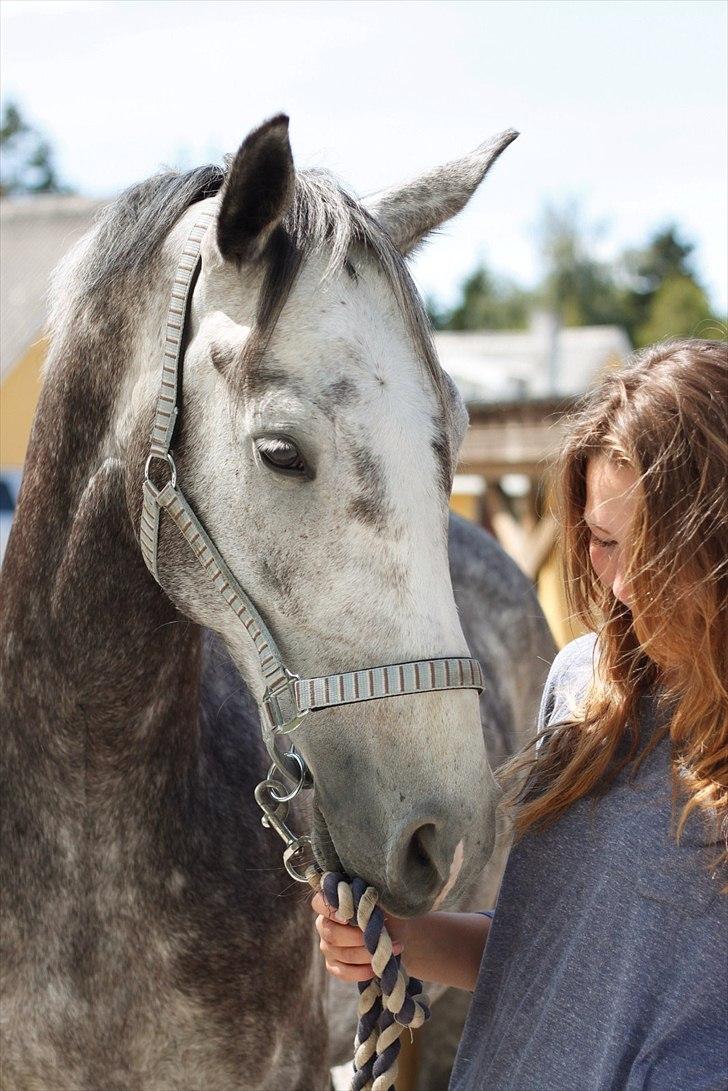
<point>612,492</point>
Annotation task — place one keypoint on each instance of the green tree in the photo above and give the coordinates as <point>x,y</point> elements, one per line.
<point>651,291</point>
<point>665,298</point>
<point>26,158</point>
<point>578,288</point>
<point>487,301</point>
<point>679,308</point>
<point>437,314</point>
<point>665,255</point>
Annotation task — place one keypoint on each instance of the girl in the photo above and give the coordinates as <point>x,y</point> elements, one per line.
<point>604,966</point>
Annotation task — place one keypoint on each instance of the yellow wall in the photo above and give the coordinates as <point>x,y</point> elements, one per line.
<point>552,596</point>
<point>18,398</point>
<point>467,505</point>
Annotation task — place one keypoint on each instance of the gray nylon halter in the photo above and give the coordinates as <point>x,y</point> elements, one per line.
<point>392,1000</point>
<point>287,698</point>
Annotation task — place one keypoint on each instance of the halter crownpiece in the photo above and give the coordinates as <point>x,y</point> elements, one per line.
<point>287,698</point>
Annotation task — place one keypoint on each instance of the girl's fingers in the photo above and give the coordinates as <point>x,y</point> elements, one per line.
<point>347,951</point>
<point>321,906</point>
<point>347,956</point>
<point>345,937</point>
<point>340,935</point>
<point>342,944</point>
<point>350,973</point>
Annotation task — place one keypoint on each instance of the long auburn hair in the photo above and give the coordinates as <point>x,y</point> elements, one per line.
<point>665,415</point>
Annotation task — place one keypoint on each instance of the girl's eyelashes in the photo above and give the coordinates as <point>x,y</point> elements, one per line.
<point>605,543</point>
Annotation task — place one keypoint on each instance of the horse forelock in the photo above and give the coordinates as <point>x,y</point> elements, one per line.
<point>325,219</point>
<point>325,216</point>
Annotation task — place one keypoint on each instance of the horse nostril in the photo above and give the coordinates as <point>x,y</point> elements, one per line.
<point>420,849</point>
<point>417,862</point>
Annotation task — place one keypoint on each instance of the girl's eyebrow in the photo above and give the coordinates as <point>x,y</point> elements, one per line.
<point>596,525</point>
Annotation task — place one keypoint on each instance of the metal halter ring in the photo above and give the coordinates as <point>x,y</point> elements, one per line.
<point>163,458</point>
<point>299,771</point>
<point>304,779</point>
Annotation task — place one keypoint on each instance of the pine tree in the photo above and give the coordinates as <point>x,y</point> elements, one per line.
<point>26,158</point>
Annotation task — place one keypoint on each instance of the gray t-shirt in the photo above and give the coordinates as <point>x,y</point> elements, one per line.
<point>606,966</point>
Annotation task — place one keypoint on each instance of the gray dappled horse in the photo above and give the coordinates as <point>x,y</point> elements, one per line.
<point>151,938</point>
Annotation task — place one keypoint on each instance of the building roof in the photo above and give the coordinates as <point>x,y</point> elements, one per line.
<point>35,233</point>
<point>521,437</point>
<point>526,365</point>
<point>500,367</point>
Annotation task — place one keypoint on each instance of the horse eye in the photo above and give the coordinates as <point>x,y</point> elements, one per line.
<point>281,455</point>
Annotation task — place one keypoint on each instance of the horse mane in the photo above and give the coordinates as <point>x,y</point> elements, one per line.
<point>126,237</point>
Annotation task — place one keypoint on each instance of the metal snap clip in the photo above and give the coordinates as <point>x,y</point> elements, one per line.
<point>163,458</point>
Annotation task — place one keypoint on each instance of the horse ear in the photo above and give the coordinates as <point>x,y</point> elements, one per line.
<point>258,191</point>
<point>410,212</point>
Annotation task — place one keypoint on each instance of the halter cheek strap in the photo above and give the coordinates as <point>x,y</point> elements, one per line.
<point>287,698</point>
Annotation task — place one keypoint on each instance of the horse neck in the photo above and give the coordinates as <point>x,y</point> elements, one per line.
<point>94,656</point>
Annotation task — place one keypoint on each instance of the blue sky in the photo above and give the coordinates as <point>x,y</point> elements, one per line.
<point>621,104</point>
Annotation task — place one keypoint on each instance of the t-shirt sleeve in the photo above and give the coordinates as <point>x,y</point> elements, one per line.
<point>568,681</point>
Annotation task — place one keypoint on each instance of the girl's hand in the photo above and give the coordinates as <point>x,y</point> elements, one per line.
<point>342,945</point>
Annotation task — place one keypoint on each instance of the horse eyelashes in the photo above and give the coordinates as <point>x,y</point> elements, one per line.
<point>281,455</point>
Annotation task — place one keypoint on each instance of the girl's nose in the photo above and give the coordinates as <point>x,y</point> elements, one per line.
<point>619,587</point>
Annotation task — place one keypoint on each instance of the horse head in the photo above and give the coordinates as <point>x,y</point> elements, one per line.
<point>317,442</point>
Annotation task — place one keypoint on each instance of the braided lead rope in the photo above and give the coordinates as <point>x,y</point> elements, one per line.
<point>389,1002</point>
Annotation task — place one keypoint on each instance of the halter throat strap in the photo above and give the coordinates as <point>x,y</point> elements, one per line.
<point>287,698</point>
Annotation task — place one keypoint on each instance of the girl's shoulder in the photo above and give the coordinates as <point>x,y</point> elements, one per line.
<point>568,682</point>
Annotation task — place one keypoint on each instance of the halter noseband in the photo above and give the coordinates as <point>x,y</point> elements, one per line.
<point>288,699</point>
